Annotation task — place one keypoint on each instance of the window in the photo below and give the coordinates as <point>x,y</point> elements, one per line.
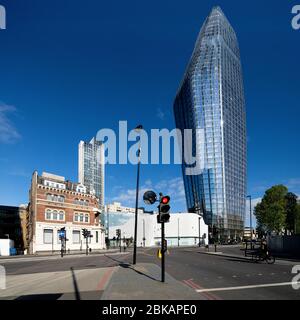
<point>86,218</point>
<point>54,215</point>
<point>61,198</point>
<point>81,217</point>
<point>76,217</point>
<point>97,237</point>
<point>61,215</point>
<point>76,201</point>
<point>49,197</point>
<point>76,236</point>
<point>48,236</point>
<point>48,214</point>
<point>55,198</point>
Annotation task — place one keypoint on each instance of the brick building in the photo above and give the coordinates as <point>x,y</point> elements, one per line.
<point>55,203</point>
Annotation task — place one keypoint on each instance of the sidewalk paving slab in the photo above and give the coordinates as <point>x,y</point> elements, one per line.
<point>142,282</point>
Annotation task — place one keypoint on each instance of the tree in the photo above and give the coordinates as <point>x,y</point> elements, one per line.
<point>297,220</point>
<point>271,211</point>
<point>291,211</point>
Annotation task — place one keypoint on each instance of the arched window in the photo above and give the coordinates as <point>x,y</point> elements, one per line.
<point>61,199</point>
<point>82,202</point>
<point>81,217</point>
<point>61,215</point>
<point>49,197</point>
<point>55,197</point>
<point>87,203</point>
<point>76,217</point>
<point>54,215</point>
<point>76,200</point>
<point>48,214</point>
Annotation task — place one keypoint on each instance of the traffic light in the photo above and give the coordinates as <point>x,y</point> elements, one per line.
<point>118,233</point>
<point>164,209</point>
<point>85,233</point>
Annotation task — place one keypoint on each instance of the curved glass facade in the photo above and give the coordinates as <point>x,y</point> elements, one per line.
<point>211,98</point>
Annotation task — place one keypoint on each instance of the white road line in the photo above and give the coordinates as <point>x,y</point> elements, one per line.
<point>249,287</point>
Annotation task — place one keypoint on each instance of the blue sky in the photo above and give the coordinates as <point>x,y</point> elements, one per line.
<point>70,68</point>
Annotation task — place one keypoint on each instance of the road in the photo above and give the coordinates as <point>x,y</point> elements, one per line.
<point>226,275</point>
<point>215,277</point>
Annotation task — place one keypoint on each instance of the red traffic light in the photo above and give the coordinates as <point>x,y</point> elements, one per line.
<point>165,200</point>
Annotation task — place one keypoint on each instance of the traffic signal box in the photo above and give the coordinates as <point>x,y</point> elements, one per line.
<point>164,209</point>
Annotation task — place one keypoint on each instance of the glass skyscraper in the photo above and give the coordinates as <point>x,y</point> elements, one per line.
<point>91,167</point>
<point>211,98</point>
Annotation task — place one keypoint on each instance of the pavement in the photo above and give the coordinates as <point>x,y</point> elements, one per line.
<point>126,285</point>
<point>56,255</point>
<point>86,284</point>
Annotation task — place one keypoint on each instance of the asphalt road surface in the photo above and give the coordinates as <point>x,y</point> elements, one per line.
<point>214,276</point>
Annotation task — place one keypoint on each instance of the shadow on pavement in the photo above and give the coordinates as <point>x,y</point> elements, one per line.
<point>76,289</point>
<point>54,296</point>
<point>129,266</point>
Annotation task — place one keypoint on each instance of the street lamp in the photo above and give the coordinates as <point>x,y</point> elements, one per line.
<point>178,232</point>
<point>137,129</point>
<point>250,198</point>
<point>199,231</point>
<point>144,239</point>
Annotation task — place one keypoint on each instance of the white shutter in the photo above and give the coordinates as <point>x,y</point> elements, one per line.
<point>48,236</point>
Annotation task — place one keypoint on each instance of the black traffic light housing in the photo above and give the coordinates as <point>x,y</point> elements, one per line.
<point>118,233</point>
<point>164,209</point>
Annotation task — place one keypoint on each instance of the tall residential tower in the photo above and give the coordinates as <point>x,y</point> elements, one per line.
<point>211,98</point>
<point>91,167</point>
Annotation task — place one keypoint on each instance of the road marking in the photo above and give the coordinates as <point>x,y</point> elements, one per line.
<point>105,278</point>
<point>196,287</point>
<point>249,287</point>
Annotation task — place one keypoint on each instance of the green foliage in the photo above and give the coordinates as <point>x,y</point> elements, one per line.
<point>297,220</point>
<point>291,211</point>
<point>277,211</point>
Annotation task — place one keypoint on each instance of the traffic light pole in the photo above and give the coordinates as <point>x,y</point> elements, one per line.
<point>87,249</point>
<point>136,205</point>
<point>199,232</point>
<point>62,248</point>
<point>162,252</point>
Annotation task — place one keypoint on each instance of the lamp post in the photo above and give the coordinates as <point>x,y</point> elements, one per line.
<point>250,198</point>
<point>178,231</point>
<point>137,129</point>
<point>199,231</point>
<point>144,233</point>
